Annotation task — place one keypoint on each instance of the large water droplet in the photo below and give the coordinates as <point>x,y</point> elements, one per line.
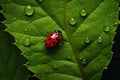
<point>83,61</point>
<point>55,66</point>
<point>87,40</point>
<point>107,29</point>
<point>27,42</point>
<point>83,13</point>
<point>41,1</point>
<point>100,40</point>
<point>72,21</point>
<point>29,10</point>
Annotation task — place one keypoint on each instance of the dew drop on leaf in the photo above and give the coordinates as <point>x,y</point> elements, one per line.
<point>27,42</point>
<point>83,13</point>
<point>28,50</point>
<point>83,60</point>
<point>41,1</point>
<point>106,29</point>
<point>101,60</point>
<point>100,40</point>
<point>55,66</point>
<point>68,57</point>
<point>72,21</point>
<point>25,30</point>
<point>15,19</point>
<point>116,23</point>
<point>29,10</point>
<point>87,40</point>
<point>111,52</point>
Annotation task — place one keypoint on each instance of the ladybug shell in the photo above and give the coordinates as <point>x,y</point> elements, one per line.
<point>53,39</point>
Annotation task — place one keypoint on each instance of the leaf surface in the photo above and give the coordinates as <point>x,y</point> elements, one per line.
<point>85,50</point>
<point>11,62</point>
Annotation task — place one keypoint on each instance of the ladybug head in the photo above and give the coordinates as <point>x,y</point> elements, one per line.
<point>59,32</point>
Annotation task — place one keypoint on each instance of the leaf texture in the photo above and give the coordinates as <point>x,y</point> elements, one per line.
<point>88,28</point>
<point>11,62</point>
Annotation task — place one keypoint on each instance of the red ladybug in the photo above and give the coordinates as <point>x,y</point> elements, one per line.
<point>53,39</point>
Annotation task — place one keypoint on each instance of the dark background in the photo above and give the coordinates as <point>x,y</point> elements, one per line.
<point>113,71</point>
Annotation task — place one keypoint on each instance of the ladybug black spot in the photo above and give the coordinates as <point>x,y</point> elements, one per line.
<point>49,38</point>
<point>53,42</point>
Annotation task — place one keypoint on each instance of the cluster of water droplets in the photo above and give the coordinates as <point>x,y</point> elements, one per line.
<point>29,11</point>
<point>82,13</point>
<point>87,40</point>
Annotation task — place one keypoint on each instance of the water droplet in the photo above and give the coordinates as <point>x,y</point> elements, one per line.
<point>15,19</point>
<point>55,66</point>
<point>111,52</point>
<point>83,13</point>
<point>106,67</point>
<point>101,60</point>
<point>83,61</point>
<point>100,40</point>
<point>116,23</point>
<point>87,40</point>
<point>41,1</point>
<point>112,42</point>
<point>68,57</point>
<point>25,30</point>
<point>107,29</point>
<point>72,21</point>
<point>27,42</point>
<point>28,50</point>
<point>29,10</point>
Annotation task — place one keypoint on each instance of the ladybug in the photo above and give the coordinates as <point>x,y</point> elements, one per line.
<point>53,39</point>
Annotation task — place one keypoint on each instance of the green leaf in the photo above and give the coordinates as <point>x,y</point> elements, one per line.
<point>11,62</point>
<point>87,26</point>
